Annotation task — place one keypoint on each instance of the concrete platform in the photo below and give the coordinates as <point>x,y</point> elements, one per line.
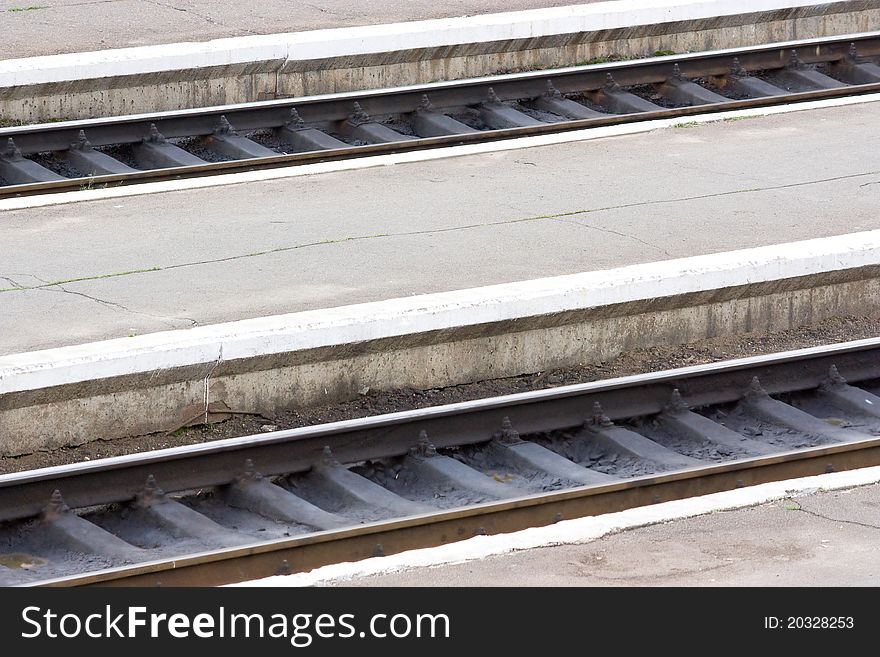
<point>95,270</point>
<point>89,26</point>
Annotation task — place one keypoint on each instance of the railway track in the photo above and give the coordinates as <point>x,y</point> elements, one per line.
<point>64,156</point>
<point>293,500</point>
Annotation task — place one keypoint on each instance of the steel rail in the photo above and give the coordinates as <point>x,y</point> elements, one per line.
<point>328,109</point>
<point>353,152</point>
<point>286,556</point>
<point>119,479</point>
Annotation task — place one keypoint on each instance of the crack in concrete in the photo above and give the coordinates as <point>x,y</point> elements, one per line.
<point>205,18</point>
<point>619,234</point>
<point>325,10</point>
<point>167,320</point>
<point>111,304</point>
<point>83,4</point>
<point>54,287</point>
<point>840,520</point>
<point>436,231</point>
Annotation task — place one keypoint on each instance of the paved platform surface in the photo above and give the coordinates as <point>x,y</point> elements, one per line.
<point>116,267</point>
<point>824,539</point>
<point>51,27</point>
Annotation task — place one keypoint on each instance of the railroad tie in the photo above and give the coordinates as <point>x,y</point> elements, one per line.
<point>226,141</point>
<point>739,81</point>
<point>304,138</point>
<point>682,91</point>
<point>359,125</point>
<point>92,162</point>
<point>18,170</point>
<point>852,70</point>
<point>428,122</point>
<point>446,472</point>
<point>155,152</point>
<point>679,419</point>
<point>351,488</point>
<point>617,101</point>
<point>795,76</point>
<point>528,455</point>
<point>758,403</point>
<point>497,115</point>
<point>837,391</point>
<point>600,429</point>
<point>254,493</point>
<point>62,527</point>
<point>178,519</point>
<point>554,102</point>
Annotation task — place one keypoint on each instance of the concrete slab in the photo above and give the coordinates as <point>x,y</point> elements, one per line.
<point>117,267</point>
<point>823,539</point>
<point>101,24</point>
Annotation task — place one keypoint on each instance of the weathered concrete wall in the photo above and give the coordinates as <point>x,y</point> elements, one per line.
<point>301,78</point>
<point>134,94</point>
<point>165,399</point>
<point>113,92</point>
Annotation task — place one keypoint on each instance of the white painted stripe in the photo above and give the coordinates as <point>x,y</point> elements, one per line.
<point>415,156</point>
<point>337,42</point>
<point>569,532</point>
<point>369,321</point>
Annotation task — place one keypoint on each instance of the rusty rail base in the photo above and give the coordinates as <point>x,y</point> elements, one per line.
<point>282,557</point>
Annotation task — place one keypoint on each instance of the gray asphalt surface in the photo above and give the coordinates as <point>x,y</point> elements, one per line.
<point>825,539</point>
<point>50,27</point>
<point>102,269</point>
